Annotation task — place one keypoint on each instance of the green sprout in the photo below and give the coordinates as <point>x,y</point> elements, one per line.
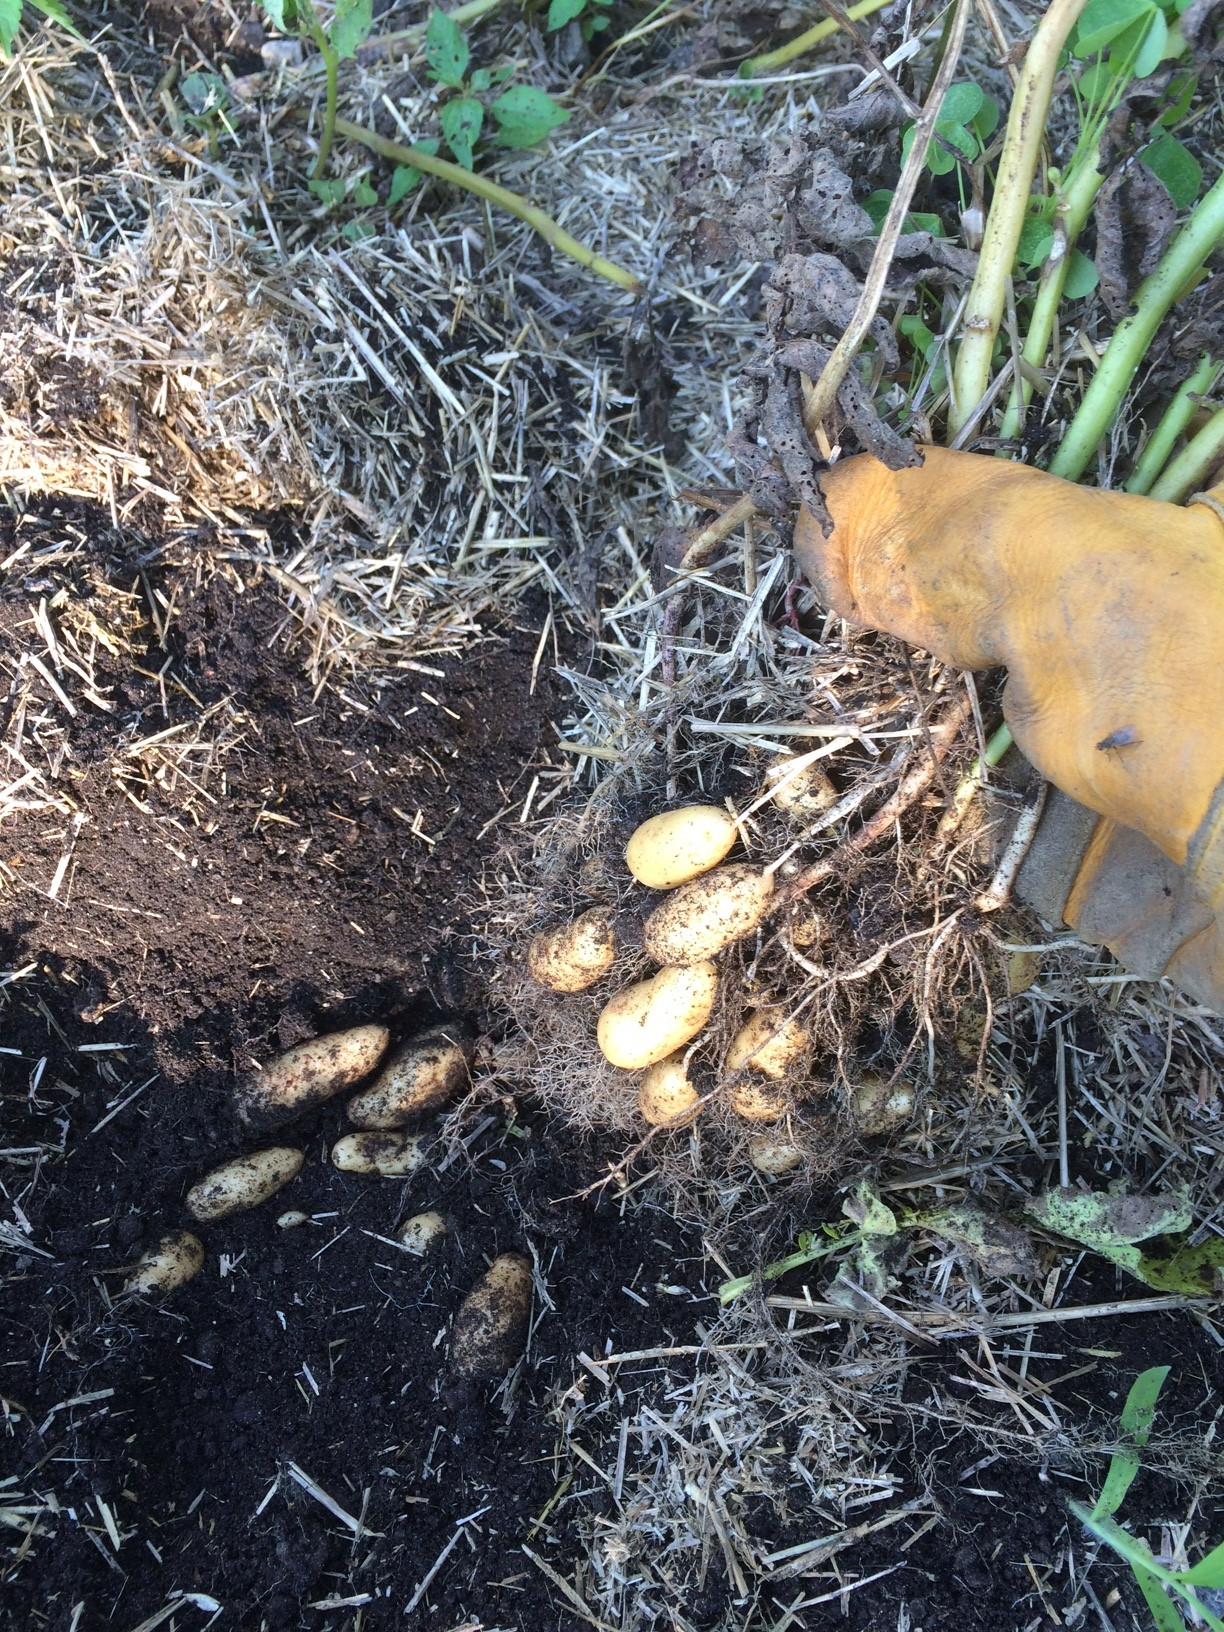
<point>591,18</point>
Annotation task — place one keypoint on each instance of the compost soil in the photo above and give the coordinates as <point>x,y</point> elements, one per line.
<point>187,1446</point>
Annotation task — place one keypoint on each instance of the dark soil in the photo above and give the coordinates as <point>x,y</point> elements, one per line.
<point>192,934</point>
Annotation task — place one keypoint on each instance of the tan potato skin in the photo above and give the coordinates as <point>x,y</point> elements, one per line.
<point>390,1155</point>
<point>769,1043</point>
<point>758,1100</point>
<point>774,1156</point>
<point>678,845</point>
<point>880,1107</point>
<point>491,1326</point>
<point>426,1071</point>
<point>666,1097</point>
<point>421,1233</point>
<point>237,1186</point>
<point>806,794</point>
<point>703,917</point>
<point>571,957</point>
<point>311,1073</point>
<point>653,1018</point>
<point>171,1263</point>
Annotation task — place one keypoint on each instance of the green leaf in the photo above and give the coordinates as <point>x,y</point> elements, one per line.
<point>1101,21</point>
<point>917,333</point>
<point>1209,1571</point>
<point>1082,276</point>
<point>284,14</point>
<point>481,80</point>
<point>355,231</point>
<point>525,116</point>
<point>1134,1424</point>
<point>963,139</point>
<point>364,195</point>
<point>961,104</point>
<point>351,24</point>
<point>594,25</point>
<point>1096,82</point>
<point>10,22</point>
<point>1036,241</point>
<point>871,1214</point>
<point>446,50</point>
<point>1179,95</point>
<point>1151,52</point>
<point>1099,1218</point>
<point>986,119</point>
<point>876,204</point>
<point>329,192</point>
<point>57,14</point>
<point>1176,167</point>
<point>1164,1613</point>
<point>561,12</point>
<point>1190,1270</point>
<point>204,94</point>
<point>461,122</point>
<point>406,176</point>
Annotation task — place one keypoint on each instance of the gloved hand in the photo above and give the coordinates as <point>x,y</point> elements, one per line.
<point>1108,611</point>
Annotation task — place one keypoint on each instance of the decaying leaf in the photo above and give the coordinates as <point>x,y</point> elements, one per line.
<point>1106,1219</point>
<point>995,1244</point>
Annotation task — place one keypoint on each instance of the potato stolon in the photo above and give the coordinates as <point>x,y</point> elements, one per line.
<point>678,845</point>
<point>653,1018</point>
<point>703,917</point>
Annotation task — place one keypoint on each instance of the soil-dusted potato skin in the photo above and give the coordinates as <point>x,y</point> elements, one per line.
<point>666,1097</point>
<point>571,957</point>
<point>653,1018</point>
<point>169,1264</point>
<point>678,845</point>
<point>703,917</point>
<point>806,793</point>
<point>389,1155</point>
<point>421,1233</point>
<point>879,1106</point>
<point>310,1073</point>
<point>491,1326</point>
<point>237,1186</point>
<point>769,1043</point>
<point>427,1071</point>
<point>758,1099</point>
<point>773,1156</point>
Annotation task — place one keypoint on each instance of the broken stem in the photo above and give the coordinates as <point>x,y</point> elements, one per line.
<point>513,203</point>
<point>804,42</point>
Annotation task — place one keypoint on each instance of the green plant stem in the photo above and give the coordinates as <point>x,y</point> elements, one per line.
<point>331,67</point>
<point>547,228</point>
<point>1013,185</point>
<point>1070,216</point>
<point>1139,1559</point>
<point>1173,422</point>
<point>804,42</point>
<point>1197,460</point>
<point>728,1291</point>
<point>1179,269</point>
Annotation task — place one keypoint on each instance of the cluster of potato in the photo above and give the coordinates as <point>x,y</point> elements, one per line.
<point>422,1074</point>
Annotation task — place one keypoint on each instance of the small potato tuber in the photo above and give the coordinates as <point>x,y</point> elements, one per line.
<point>802,791</point>
<point>490,1328</point>
<point>571,957</point>
<point>390,1155</point>
<point>653,1018</point>
<point>759,1099</point>
<point>419,1234</point>
<point>769,1043</point>
<point>880,1106</point>
<point>310,1073</point>
<point>169,1264</point>
<point>666,1097</point>
<point>425,1072</point>
<point>245,1182</point>
<point>773,1157</point>
<point>678,845</point>
<point>703,917</point>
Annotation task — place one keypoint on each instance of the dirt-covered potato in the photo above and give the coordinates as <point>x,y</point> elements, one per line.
<point>759,1099</point>
<point>703,917</point>
<point>802,791</point>
<point>571,957</point>
<point>653,1018</point>
<point>169,1263</point>
<point>310,1073</point>
<point>666,1097</point>
<point>879,1106</point>
<point>678,845</point>
<point>491,1326</point>
<point>426,1071</point>
<point>422,1232</point>
<point>390,1155</point>
<point>245,1182</point>
<point>769,1043</point>
<point>773,1157</point>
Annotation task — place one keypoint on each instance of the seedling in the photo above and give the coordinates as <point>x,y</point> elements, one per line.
<point>589,14</point>
<point>207,99</point>
<point>1160,1586</point>
<point>350,26</point>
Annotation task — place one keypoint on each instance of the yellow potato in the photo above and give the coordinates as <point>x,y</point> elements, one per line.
<point>425,1072</point>
<point>293,1219</point>
<point>490,1328</point>
<point>169,1264</point>
<point>678,845</point>
<point>703,917</point>
<point>880,1107</point>
<point>390,1155</point>
<point>666,1098</point>
<point>758,1099</point>
<point>769,1043</point>
<point>243,1183</point>
<point>310,1073</point>
<point>804,792</point>
<point>653,1018</point>
<point>571,957</point>
<point>421,1233</point>
<point>774,1157</point>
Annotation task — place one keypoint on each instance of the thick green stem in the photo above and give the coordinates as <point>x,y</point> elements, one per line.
<point>1179,269</point>
<point>1070,216</point>
<point>1013,185</point>
<point>490,191</point>
<point>804,42</point>
<point>331,67</point>
<point>1173,422</point>
<point>1199,459</point>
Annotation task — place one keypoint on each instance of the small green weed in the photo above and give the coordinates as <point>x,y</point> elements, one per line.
<point>591,17</point>
<point>11,12</point>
